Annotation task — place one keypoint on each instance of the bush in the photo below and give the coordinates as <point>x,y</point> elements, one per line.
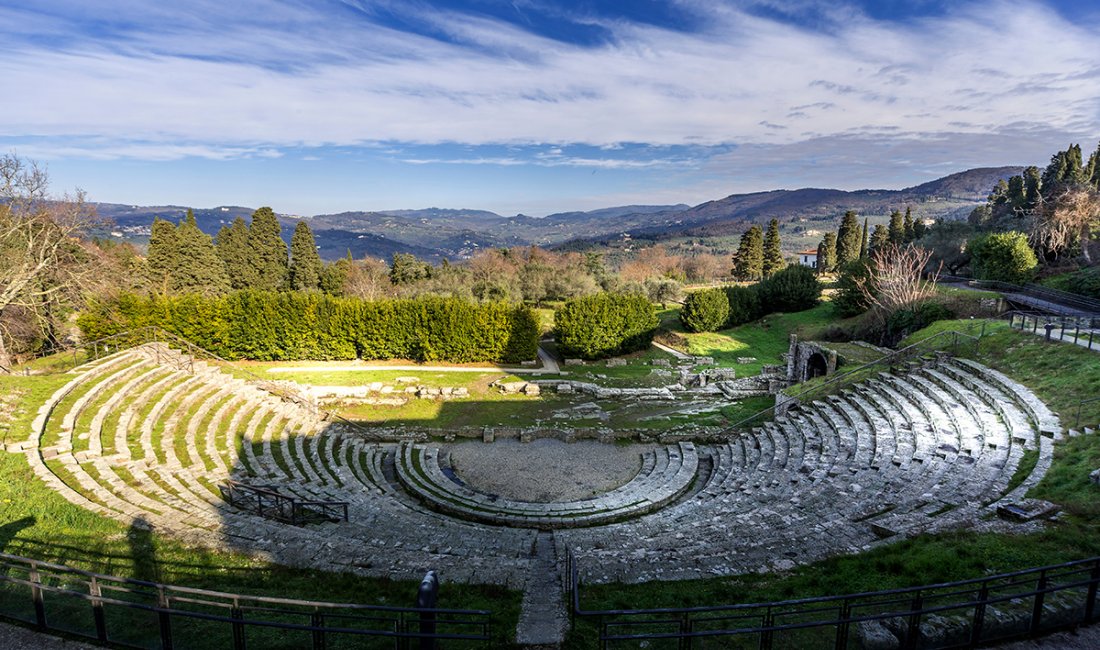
<point>287,326</point>
<point>849,300</point>
<point>705,310</point>
<point>1003,257</point>
<point>744,304</point>
<point>1085,282</point>
<point>604,325</point>
<point>904,322</point>
<point>795,288</point>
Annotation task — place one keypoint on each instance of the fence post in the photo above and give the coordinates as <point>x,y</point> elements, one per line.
<point>36,596</point>
<point>237,615</point>
<point>913,634</point>
<point>164,619</point>
<point>97,610</point>
<point>1048,327</point>
<point>426,599</point>
<point>1037,610</point>
<point>317,620</point>
<point>979,615</point>
<point>842,628</point>
<point>1094,580</point>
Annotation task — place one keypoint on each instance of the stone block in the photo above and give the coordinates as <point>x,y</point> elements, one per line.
<point>661,362</point>
<point>1027,510</point>
<point>489,434</point>
<point>574,362</point>
<point>1095,477</point>
<point>873,635</point>
<point>531,389</point>
<point>616,363</point>
<point>511,387</point>
<point>744,360</point>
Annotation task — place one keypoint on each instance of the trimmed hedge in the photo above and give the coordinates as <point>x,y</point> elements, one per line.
<point>604,325</point>
<point>290,326</point>
<point>744,304</point>
<point>705,310</point>
<point>795,288</point>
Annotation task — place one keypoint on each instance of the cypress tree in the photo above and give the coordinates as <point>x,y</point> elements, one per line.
<point>268,250</point>
<point>910,235</point>
<point>863,241</point>
<point>847,240</point>
<point>880,237</point>
<point>163,260</point>
<point>773,255</point>
<point>200,270</point>
<point>897,228</point>
<point>237,255</point>
<point>826,257</point>
<point>750,255</point>
<point>1033,184</point>
<point>305,263</point>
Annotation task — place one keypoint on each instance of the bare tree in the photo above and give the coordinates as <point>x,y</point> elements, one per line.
<point>896,278</point>
<point>41,256</point>
<point>1066,220</point>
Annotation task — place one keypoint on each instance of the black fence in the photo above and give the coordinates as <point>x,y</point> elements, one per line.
<point>963,614</point>
<point>268,501</point>
<point>1082,330</point>
<point>130,613</point>
<point>1054,300</point>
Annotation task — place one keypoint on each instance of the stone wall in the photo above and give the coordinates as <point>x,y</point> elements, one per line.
<point>801,357</point>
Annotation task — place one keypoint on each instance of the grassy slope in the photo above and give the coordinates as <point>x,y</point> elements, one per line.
<point>1059,374</point>
<point>36,522</point>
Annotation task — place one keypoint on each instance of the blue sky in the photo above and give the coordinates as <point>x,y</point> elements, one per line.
<point>315,106</point>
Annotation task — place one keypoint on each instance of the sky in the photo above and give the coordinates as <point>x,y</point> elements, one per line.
<point>322,106</point>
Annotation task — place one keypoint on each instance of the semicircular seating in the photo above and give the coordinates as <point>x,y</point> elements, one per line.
<point>142,435</point>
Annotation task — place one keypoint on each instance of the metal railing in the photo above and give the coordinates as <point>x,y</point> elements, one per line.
<point>949,340</point>
<point>125,612</point>
<point>1053,297</point>
<point>1026,603</point>
<point>1082,330</point>
<point>268,501</point>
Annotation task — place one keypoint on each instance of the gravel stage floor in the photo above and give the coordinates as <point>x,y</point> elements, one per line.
<point>545,470</point>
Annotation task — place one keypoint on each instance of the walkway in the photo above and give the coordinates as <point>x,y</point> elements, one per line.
<point>673,351</point>
<point>1068,336</point>
<point>549,367</point>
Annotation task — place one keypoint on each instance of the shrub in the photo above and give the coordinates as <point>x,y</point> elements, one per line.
<point>744,304</point>
<point>285,326</point>
<point>1003,257</point>
<point>795,288</point>
<point>906,321</point>
<point>604,325</point>
<point>849,299</point>
<point>705,310</point>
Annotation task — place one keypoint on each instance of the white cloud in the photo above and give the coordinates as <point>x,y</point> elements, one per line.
<point>240,79</point>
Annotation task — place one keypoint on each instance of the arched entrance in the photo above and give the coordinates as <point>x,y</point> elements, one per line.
<point>816,366</point>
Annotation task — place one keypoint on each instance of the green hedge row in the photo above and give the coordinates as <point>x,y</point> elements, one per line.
<point>795,288</point>
<point>287,326</point>
<point>604,325</point>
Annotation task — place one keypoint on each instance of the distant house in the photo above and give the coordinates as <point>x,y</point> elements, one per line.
<point>808,258</point>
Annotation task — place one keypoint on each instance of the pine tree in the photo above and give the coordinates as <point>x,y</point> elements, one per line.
<point>863,241</point>
<point>909,233</point>
<point>880,237</point>
<point>407,269</point>
<point>162,259</point>
<point>773,255</point>
<point>749,263</point>
<point>201,270</point>
<point>237,255</point>
<point>826,256</point>
<point>847,240</point>
<point>268,250</point>
<point>897,228</point>
<point>305,263</point>
<point>1033,184</point>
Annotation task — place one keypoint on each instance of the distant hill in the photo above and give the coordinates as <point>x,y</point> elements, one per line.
<point>437,233</point>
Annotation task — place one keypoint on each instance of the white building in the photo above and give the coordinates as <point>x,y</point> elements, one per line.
<point>808,258</point>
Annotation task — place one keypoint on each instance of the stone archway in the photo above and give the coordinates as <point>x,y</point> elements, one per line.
<point>816,366</point>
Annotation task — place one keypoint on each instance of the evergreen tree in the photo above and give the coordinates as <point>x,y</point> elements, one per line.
<point>407,269</point>
<point>847,240</point>
<point>305,263</point>
<point>826,255</point>
<point>910,235</point>
<point>773,255</point>
<point>1092,170</point>
<point>200,269</point>
<point>749,263</point>
<point>162,259</point>
<point>1017,193</point>
<point>863,241</point>
<point>335,275</point>
<point>237,255</point>
<point>897,228</point>
<point>268,250</point>
<point>1033,183</point>
<point>880,237</point>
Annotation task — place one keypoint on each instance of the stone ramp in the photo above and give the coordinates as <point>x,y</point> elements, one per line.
<point>543,619</point>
